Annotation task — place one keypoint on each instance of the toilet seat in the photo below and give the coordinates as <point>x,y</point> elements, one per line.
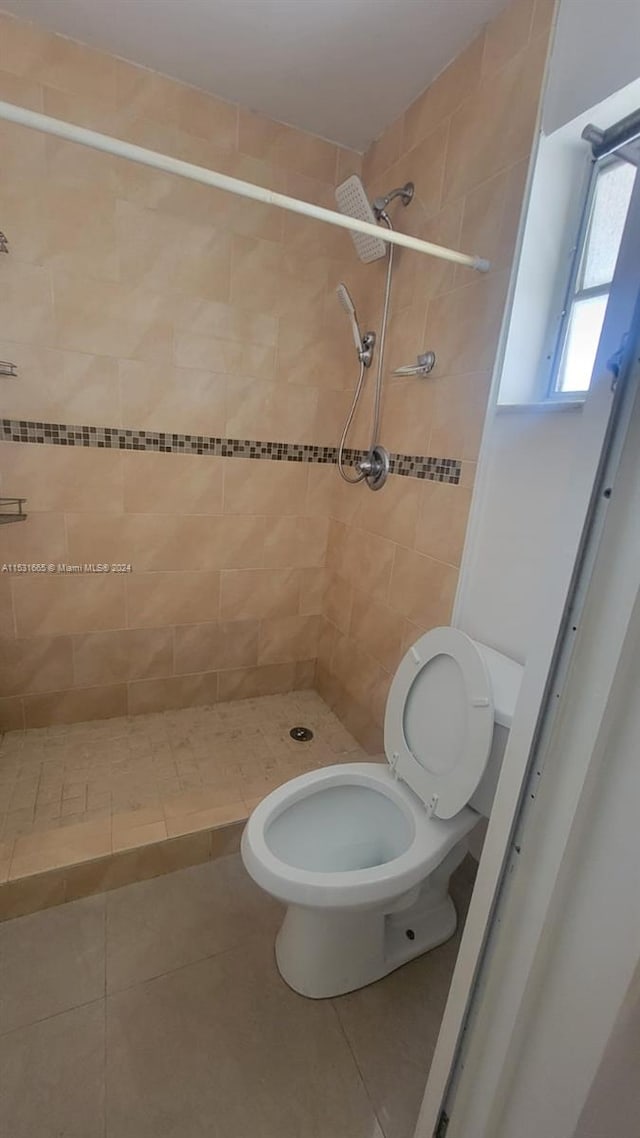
<point>439,720</point>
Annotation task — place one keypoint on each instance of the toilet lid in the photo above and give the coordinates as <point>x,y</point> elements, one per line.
<point>439,720</point>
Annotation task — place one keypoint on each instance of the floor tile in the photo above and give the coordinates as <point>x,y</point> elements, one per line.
<point>392,1026</point>
<point>154,926</point>
<point>51,961</point>
<point>66,790</point>
<point>52,1077</point>
<point>224,1049</point>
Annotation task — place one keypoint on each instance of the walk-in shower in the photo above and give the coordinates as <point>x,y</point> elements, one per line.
<point>352,199</point>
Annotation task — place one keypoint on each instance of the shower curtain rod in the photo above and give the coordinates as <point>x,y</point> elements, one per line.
<point>121,149</point>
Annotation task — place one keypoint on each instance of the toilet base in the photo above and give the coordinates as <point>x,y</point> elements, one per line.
<point>328,952</point>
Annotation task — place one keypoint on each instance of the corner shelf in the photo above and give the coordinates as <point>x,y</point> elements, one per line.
<point>11,510</point>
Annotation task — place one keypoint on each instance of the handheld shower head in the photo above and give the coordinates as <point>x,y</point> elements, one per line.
<point>344,296</point>
<point>364,344</point>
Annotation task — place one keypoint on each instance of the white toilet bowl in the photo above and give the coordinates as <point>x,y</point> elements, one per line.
<point>362,853</point>
<point>352,853</point>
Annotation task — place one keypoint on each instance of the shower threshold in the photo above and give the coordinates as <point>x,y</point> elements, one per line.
<point>88,807</point>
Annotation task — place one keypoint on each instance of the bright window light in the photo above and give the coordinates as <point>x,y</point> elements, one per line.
<point>593,270</point>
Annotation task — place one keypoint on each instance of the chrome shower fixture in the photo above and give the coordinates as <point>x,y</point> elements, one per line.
<point>352,200</point>
<point>4,244</point>
<point>364,344</point>
<point>405,192</point>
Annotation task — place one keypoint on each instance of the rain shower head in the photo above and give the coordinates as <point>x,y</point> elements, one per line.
<point>353,201</point>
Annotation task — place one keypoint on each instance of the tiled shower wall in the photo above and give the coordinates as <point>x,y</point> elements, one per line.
<point>134,299</point>
<point>393,557</point>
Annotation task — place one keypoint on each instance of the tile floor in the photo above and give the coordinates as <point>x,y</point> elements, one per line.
<point>79,792</point>
<point>157,1009</point>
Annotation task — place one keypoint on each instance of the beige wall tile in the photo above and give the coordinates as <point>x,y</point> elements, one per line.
<point>149,541</point>
<point>79,388</point>
<point>392,514</point>
<point>337,601</point>
<point>286,146</point>
<point>62,478</point>
<point>459,409</point>
<point>263,487</point>
<point>244,683</point>
<point>110,319</point>
<point>75,706</point>
<point>442,521</point>
<point>348,162</point>
<point>312,589</point>
<point>216,647</point>
<point>493,128</point>
<point>185,597</point>
<point>58,604</point>
<point>172,692</point>
<point>288,638</point>
<point>11,713</point>
<point>111,657</point>
<point>40,538</point>
<point>477,307</point>
<point>182,309</point>
<point>507,34</point>
<point>304,678</point>
<point>171,483</point>
<point>164,398</point>
<point>259,593</point>
<point>40,663</point>
<point>25,304</point>
<point>240,541</point>
<point>421,588</point>
<point>377,628</point>
<point>459,80</point>
<point>368,561</point>
<point>295,541</point>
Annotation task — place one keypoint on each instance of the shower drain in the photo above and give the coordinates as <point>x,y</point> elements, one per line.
<point>301,734</point>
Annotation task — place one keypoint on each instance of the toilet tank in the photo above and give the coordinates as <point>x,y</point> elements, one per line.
<point>505,676</point>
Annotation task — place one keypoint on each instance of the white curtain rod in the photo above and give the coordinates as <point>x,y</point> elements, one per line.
<point>153,158</point>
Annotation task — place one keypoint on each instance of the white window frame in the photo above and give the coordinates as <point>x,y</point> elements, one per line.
<point>570,293</point>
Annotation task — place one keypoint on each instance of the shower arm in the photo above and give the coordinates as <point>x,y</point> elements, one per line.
<point>121,149</point>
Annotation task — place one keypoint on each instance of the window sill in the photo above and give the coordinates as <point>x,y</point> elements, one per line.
<point>546,406</point>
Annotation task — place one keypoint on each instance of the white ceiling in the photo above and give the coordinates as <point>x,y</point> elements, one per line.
<point>343,69</point>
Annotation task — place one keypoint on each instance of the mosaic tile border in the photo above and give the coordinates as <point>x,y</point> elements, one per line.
<point>119,438</point>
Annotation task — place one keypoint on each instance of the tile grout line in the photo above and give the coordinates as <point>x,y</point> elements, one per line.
<point>365,1085</point>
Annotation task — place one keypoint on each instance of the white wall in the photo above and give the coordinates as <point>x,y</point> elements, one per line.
<point>523,514</point>
<point>536,465</point>
<point>613,1105</point>
<point>595,52</point>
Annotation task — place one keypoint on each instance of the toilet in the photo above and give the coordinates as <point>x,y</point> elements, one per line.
<point>362,853</point>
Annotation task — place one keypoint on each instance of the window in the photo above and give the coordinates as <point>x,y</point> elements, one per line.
<point>591,275</point>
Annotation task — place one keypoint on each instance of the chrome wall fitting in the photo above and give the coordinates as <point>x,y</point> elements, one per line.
<point>4,244</point>
<point>375,467</point>
<point>365,355</point>
<point>8,369</point>
<point>423,365</point>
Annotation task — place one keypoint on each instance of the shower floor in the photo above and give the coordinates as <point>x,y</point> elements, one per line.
<point>91,806</point>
